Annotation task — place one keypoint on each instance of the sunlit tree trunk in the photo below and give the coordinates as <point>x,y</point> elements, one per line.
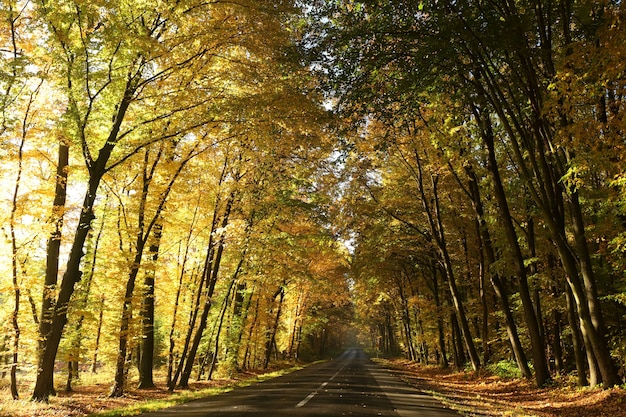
<point>222,314</point>
<point>255,315</point>
<point>15,274</point>
<point>81,306</point>
<point>181,276</point>
<point>54,312</point>
<point>211,271</point>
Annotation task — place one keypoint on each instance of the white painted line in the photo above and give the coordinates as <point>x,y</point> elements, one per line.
<point>314,393</point>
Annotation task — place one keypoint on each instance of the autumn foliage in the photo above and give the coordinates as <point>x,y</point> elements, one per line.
<point>193,188</point>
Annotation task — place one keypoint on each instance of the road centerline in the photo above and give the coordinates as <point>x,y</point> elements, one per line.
<point>314,393</point>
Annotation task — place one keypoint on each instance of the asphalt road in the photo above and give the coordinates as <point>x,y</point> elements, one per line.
<point>350,385</point>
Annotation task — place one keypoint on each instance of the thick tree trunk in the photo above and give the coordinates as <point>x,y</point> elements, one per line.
<point>81,306</point>
<point>52,268</point>
<point>596,340</point>
<point>56,310</point>
<point>53,329</point>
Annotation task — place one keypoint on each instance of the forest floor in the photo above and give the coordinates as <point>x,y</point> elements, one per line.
<point>474,395</point>
<point>90,395</point>
<point>484,395</point>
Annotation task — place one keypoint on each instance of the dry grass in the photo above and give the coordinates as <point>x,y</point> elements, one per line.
<point>488,395</point>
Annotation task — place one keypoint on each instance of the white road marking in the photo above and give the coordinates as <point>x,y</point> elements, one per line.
<point>314,393</point>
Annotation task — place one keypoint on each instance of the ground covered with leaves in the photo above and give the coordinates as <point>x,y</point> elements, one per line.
<point>484,395</point>
<point>473,395</point>
<point>90,396</point>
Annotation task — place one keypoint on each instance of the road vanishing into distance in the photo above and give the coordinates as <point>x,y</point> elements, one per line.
<point>350,385</point>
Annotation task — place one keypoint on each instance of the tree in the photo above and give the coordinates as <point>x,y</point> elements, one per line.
<point>111,81</point>
<point>502,55</point>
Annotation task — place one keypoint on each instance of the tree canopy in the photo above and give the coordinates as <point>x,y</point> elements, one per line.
<point>209,187</point>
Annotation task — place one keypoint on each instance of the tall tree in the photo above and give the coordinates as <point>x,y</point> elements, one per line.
<point>108,78</point>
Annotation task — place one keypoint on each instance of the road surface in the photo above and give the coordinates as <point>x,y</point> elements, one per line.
<point>350,385</point>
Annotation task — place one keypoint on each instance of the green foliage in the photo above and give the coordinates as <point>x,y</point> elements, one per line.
<point>505,369</point>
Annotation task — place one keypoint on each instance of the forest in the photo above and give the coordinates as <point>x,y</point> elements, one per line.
<point>196,188</point>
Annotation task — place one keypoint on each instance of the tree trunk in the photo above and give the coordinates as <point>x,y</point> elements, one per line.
<point>274,329</point>
<point>440,323</point>
<point>203,287</point>
<point>597,342</point>
<point>577,342</point>
<point>436,226</point>
<point>246,356</point>
<point>454,292</point>
<point>556,342</point>
<point>94,363</point>
<point>219,329</point>
<point>56,316</point>
<point>542,375</point>
<point>147,344</point>
<point>14,256</point>
<point>457,344</point>
<point>52,268</point>
<point>55,311</point>
<point>181,276</point>
<point>212,273</point>
<point>124,334</point>
<point>81,306</point>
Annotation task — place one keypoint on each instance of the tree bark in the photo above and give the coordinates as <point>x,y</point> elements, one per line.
<point>56,310</point>
<point>219,330</point>
<point>212,272</point>
<point>146,379</point>
<point>577,342</point>
<point>435,222</point>
<point>542,375</point>
<point>280,293</point>
<point>454,292</point>
<point>94,362</point>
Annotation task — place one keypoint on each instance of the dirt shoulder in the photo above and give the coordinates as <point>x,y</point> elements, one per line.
<point>479,395</point>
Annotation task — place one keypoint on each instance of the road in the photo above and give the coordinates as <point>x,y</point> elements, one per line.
<point>350,385</point>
